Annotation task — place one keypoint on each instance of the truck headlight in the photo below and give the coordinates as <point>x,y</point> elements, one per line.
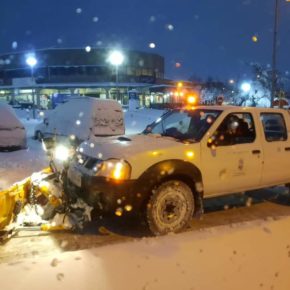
<point>61,153</point>
<point>115,169</point>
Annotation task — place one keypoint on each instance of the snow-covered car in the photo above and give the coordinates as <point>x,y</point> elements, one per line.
<point>82,117</point>
<point>12,131</point>
<point>182,158</point>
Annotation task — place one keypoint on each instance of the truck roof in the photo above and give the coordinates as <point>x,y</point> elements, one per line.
<point>240,109</point>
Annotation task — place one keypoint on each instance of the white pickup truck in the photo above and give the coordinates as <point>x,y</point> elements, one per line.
<point>182,158</point>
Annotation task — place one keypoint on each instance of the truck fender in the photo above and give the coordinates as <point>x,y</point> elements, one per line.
<point>168,170</point>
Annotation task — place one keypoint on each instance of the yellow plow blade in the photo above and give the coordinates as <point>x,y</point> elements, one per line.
<point>13,199</point>
<point>8,199</point>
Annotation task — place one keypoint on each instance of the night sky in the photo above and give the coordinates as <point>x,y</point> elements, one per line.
<point>197,37</point>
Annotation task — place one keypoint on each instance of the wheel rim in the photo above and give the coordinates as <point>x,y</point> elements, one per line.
<point>171,208</point>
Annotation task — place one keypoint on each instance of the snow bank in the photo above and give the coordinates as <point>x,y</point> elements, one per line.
<point>253,256</point>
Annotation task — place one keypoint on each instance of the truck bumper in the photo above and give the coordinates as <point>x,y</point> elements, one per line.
<point>107,195</point>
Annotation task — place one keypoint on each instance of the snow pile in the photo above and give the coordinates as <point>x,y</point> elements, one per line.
<point>217,258</point>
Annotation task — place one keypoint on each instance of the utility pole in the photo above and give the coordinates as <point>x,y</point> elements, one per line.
<point>274,52</point>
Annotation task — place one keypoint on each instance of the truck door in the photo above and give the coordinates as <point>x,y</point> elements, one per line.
<point>232,156</point>
<point>276,146</point>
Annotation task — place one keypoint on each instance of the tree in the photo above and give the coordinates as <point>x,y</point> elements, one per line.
<point>211,89</point>
<point>260,93</point>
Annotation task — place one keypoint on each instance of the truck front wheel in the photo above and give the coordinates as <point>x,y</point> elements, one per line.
<point>170,207</point>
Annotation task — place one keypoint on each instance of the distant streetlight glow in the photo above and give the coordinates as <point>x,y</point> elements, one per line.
<point>246,87</point>
<point>255,38</point>
<point>116,58</point>
<point>31,61</point>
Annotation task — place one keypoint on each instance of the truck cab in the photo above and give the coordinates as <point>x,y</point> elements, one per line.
<point>183,157</point>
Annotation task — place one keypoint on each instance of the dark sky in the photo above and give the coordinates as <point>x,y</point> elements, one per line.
<point>209,37</point>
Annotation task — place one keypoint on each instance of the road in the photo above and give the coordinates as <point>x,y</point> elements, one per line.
<point>237,210</point>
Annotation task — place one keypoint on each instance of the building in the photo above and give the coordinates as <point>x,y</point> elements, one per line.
<point>78,71</point>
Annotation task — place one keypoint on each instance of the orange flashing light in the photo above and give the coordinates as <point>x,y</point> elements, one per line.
<point>191,100</point>
<point>180,85</point>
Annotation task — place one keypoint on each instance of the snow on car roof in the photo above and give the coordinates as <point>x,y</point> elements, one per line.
<point>8,118</point>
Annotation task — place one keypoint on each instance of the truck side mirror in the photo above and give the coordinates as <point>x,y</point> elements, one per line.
<point>212,141</point>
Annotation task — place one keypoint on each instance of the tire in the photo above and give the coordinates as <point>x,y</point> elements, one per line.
<point>38,136</point>
<point>170,207</point>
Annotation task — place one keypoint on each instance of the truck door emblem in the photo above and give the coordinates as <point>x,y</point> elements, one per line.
<point>241,164</point>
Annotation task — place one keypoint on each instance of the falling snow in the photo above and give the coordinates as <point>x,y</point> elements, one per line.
<point>169,27</point>
<point>88,48</point>
<point>14,44</point>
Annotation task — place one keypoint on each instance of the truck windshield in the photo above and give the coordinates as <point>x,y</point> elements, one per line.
<point>184,125</point>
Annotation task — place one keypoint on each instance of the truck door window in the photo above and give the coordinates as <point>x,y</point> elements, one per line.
<point>236,128</point>
<point>274,127</point>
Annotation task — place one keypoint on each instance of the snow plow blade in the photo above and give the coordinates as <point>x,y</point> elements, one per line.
<point>13,200</point>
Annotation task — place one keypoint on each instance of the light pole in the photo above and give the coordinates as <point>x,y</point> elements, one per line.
<point>116,58</point>
<point>274,52</point>
<point>31,61</point>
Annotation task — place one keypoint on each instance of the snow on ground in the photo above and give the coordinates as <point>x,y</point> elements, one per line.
<point>17,165</point>
<point>254,255</point>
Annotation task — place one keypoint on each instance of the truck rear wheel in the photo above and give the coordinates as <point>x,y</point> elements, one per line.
<point>170,207</point>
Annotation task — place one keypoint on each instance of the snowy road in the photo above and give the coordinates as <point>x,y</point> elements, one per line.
<point>233,212</point>
<point>246,247</point>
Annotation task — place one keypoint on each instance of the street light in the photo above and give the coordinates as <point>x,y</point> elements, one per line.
<point>246,87</point>
<point>116,58</point>
<point>31,61</point>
